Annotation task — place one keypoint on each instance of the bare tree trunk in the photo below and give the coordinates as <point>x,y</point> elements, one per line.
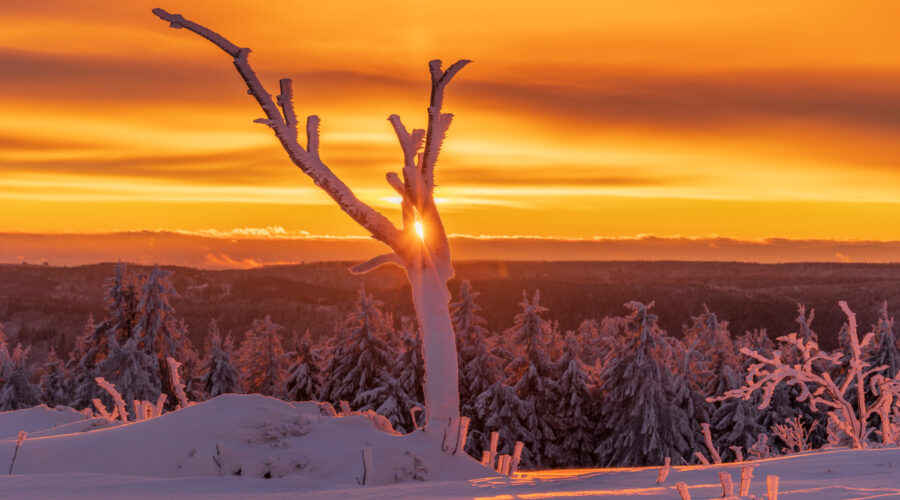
<point>420,246</point>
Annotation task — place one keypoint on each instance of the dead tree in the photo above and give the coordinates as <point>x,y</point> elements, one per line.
<point>420,246</point>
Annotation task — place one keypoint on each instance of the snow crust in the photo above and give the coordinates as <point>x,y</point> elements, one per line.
<point>231,435</point>
<point>37,418</point>
<point>829,475</point>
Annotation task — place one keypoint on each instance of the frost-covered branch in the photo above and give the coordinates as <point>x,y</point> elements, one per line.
<point>285,128</point>
<point>117,398</point>
<point>812,376</point>
<point>177,384</point>
<point>794,433</point>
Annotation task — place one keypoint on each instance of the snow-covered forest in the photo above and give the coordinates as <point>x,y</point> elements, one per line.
<point>617,391</point>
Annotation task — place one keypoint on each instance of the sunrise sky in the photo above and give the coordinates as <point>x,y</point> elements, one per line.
<point>578,119</point>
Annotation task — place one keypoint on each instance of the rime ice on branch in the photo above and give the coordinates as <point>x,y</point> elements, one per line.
<point>426,259</point>
<point>846,402</point>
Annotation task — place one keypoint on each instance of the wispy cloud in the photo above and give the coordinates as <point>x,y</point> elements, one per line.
<point>246,248</point>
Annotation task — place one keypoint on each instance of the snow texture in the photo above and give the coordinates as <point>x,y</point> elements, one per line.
<point>234,435</point>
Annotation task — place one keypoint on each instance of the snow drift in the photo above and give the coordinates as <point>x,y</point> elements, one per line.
<point>232,435</point>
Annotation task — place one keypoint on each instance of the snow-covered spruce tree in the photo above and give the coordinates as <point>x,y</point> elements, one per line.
<point>17,390</point>
<point>420,247</point>
<point>738,422</point>
<point>4,351</point>
<point>817,388</point>
<point>686,364</point>
<point>499,409</point>
<point>92,347</point>
<point>157,331</point>
<point>410,370</point>
<point>133,371</point>
<point>479,367</point>
<point>786,404</point>
<point>713,367</point>
<point>881,350</point>
<point>638,425</point>
<point>191,370</point>
<point>262,358</point>
<point>359,367</point>
<point>470,333</point>
<point>304,379</point>
<point>123,295</point>
<point>219,375</point>
<point>390,400</point>
<point>54,382</point>
<point>533,374</point>
<point>734,422</point>
<point>711,339</point>
<point>884,350</point>
<point>484,376</point>
<point>574,421</point>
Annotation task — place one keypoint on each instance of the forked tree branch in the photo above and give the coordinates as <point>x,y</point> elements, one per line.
<point>284,126</point>
<point>420,152</point>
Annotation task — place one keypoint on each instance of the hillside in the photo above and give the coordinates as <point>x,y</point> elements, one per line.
<point>273,449</point>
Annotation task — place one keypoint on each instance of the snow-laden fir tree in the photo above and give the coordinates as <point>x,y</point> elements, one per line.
<point>17,390</point>
<point>123,295</point>
<point>884,350</point>
<point>574,423</point>
<point>4,354</point>
<point>597,340</point>
<point>54,382</point>
<point>785,404</point>
<point>637,424</point>
<point>687,365</point>
<point>304,379</point>
<point>156,328</point>
<point>881,350</point>
<point>191,369</point>
<point>470,335</point>
<point>359,367</point>
<point>262,358</point>
<point>709,337</point>
<point>479,367</point>
<point>499,409</point>
<point>734,422</point>
<point>92,347</point>
<point>134,372</point>
<point>390,400</point>
<point>484,377</point>
<point>588,334</point>
<point>410,368</point>
<point>219,375</point>
<point>533,374</point>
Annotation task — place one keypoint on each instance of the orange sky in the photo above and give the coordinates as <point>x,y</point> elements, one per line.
<point>744,120</point>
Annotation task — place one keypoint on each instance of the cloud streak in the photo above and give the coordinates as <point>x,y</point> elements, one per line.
<point>250,248</point>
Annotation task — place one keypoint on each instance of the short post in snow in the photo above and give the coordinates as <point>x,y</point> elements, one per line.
<point>746,476</point>
<point>772,487</point>
<point>19,440</point>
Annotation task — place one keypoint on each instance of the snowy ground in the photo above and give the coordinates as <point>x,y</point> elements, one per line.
<point>66,456</point>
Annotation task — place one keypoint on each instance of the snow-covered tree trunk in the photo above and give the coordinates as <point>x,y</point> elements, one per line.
<point>420,246</point>
<point>432,302</point>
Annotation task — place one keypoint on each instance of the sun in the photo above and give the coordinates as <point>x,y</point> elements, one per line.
<point>420,230</point>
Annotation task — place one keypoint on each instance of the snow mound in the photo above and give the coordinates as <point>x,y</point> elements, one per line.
<point>241,435</point>
<point>36,419</point>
